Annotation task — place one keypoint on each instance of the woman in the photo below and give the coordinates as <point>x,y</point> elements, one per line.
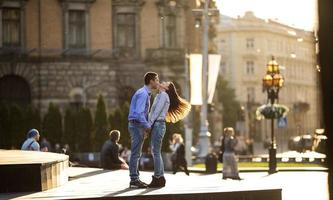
<point>178,154</point>
<point>168,106</point>
<point>230,168</point>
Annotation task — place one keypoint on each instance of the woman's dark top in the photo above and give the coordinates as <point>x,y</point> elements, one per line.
<point>180,154</point>
<point>110,156</point>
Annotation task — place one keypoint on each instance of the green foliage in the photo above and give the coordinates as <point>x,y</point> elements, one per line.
<point>118,120</point>
<point>78,129</point>
<point>4,126</point>
<point>70,128</point>
<point>52,124</point>
<point>101,124</point>
<point>231,107</point>
<point>16,121</point>
<point>32,118</point>
<point>85,128</point>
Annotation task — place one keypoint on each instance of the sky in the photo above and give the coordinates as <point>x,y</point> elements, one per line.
<point>297,13</point>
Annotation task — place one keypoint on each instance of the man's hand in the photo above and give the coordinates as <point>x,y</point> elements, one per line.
<point>146,133</point>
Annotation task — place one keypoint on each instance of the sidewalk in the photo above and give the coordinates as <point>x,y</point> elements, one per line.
<point>103,184</point>
<point>265,169</point>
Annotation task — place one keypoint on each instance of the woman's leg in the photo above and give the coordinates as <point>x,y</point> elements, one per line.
<point>174,167</point>
<point>185,169</point>
<point>158,132</point>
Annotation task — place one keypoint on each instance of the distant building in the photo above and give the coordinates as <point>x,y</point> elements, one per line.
<point>69,51</point>
<point>247,44</point>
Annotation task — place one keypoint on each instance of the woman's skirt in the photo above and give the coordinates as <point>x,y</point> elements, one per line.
<point>230,168</point>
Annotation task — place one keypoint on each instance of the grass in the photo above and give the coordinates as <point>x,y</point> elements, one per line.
<point>264,165</point>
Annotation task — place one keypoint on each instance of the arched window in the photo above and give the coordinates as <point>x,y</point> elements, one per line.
<point>15,89</point>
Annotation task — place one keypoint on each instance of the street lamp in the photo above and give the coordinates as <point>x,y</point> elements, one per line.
<point>272,83</point>
<point>204,13</point>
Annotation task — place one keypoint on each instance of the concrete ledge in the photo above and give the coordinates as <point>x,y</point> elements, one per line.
<point>28,171</point>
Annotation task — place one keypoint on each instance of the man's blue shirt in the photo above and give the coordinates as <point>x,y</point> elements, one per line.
<point>139,107</point>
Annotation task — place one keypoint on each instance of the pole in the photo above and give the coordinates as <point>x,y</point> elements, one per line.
<point>188,129</point>
<point>272,149</point>
<point>204,140</point>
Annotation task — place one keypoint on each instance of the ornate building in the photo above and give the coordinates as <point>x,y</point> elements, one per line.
<point>69,51</point>
<point>246,44</point>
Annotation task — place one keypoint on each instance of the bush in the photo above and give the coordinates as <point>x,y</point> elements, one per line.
<point>32,118</point>
<point>17,133</point>
<point>4,126</point>
<point>118,119</point>
<point>100,125</point>
<point>52,124</point>
<point>85,128</point>
<point>70,128</point>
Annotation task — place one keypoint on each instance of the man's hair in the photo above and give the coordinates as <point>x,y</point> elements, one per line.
<point>150,76</point>
<point>114,135</point>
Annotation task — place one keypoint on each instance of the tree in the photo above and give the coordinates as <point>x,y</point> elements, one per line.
<point>85,128</point>
<point>52,124</point>
<point>70,128</point>
<point>32,118</point>
<point>17,132</point>
<point>101,124</point>
<point>118,120</point>
<point>231,107</point>
<point>5,136</point>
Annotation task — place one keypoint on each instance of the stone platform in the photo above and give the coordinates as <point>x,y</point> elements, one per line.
<point>29,171</point>
<point>90,183</point>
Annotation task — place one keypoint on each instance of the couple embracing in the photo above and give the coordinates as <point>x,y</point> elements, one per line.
<point>167,106</point>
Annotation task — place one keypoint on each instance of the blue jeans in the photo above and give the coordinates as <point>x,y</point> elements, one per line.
<point>137,139</point>
<point>157,135</point>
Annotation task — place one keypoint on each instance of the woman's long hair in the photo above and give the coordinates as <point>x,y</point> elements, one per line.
<point>179,107</point>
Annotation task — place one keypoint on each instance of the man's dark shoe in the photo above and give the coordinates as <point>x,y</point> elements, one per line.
<point>137,184</point>
<point>162,181</point>
<point>157,182</point>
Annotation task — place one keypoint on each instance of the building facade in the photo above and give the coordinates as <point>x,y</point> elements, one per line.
<point>247,44</point>
<point>70,51</point>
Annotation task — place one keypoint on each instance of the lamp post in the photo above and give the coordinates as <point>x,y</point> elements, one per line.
<point>272,83</point>
<point>204,135</point>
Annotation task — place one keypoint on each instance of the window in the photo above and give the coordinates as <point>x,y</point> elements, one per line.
<point>125,30</point>
<point>11,24</point>
<point>169,24</point>
<point>77,29</point>
<point>250,43</point>
<point>251,94</point>
<point>249,67</point>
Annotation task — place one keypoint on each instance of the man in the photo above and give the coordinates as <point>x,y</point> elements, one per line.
<point>110,153</point>
<point>139,126</point>
<point>31,144</point>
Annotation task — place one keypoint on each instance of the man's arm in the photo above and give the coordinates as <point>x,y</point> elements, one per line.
<point>115,153</point>
<point>140,107</point>
<point>35,146</point>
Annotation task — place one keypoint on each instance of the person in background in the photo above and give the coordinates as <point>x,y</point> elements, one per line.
<point>57,148</point>
<point>230,168</point>
<point>31,143</point>
<point>110,153</point>
<point>178,154</point>
<point>45,145</point>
